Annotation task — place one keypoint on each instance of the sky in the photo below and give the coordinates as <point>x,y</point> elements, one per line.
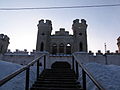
<point>21,26</point>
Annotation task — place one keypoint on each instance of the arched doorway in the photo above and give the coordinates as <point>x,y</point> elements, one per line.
<point>54,49</point>
<point>42,46</point>
<point>61,65</point>
<point>61,48</point>
<point>81,46</point>
<point>68,49</point>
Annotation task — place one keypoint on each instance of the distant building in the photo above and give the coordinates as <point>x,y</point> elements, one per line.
<point>62,42</point>
<point>118,43</point>
<point>4,42</point>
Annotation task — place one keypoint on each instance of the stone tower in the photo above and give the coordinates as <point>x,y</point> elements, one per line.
<point>4,42</point>
<point>43,37</point>
<point>80,35</point>
<point>118,43</point>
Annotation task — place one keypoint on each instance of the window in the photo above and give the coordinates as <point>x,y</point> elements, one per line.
<point>80,34</point>
<point>68,49</point>
<point>61,48</point>
<point>54,49</point>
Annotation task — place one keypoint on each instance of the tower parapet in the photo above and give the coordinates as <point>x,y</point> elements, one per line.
<point>79,25</point>
<point>45,22</point>
<point>4,42</point>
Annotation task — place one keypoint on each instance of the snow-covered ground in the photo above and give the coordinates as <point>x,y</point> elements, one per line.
<point>17,83</point>
<point>107,75</point>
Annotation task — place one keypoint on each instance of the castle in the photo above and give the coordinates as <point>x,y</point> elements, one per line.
<point>62,42</point>
<point>59,46</point>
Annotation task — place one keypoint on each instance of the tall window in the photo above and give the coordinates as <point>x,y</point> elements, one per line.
<point>68,49</point>
<point>61,48</point>
<point>54,49</point>
<point>81,46</point>
<point>42,46</point>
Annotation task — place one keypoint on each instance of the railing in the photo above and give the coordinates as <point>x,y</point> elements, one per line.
<point>27,69</point>
<point>84,73</point>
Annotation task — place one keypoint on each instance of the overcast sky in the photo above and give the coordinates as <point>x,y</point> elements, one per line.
<point>21,26</point>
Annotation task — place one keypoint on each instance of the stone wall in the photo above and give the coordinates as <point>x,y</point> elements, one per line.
<point>24,58</point>
<point>108,58</point>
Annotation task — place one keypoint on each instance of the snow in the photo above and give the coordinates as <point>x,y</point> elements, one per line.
<point>107,75</point>
<point>17,83</point>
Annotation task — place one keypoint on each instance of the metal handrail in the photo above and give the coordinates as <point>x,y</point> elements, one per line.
<point>86,72</point>
<point>17,72</point>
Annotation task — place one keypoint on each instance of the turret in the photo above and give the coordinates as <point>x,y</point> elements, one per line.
<point>45,27</point>
<point>80,35</point>
<point>4,42</point>
<point>43,36</point>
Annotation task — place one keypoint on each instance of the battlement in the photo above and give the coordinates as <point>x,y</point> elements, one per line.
<point>45,22</point>
<point>19,52</point>
<point>79,25</point>
<point>62,32</point>
<point>107,53</point>
<point>4,37</point>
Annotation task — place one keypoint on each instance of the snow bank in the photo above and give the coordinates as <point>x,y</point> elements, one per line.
<point>107,75</point>
<point>17,83</point>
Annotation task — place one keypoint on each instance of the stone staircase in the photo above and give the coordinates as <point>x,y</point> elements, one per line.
<point>57,79</point>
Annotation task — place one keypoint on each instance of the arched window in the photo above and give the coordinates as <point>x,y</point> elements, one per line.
<point>61,48</point>
<point>81,46</point>
<point>42,46</point>
<point>68,49</point>
<point>54,49</point>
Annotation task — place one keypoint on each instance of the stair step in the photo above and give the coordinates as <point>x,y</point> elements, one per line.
<point>50,77</point>
<point>48,88</point>
<point>57,79</point>
<point>57,85</point>
<point>55,82</point>
<point>53,79</point>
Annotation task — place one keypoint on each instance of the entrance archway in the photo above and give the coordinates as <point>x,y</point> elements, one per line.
<point>61,65</point>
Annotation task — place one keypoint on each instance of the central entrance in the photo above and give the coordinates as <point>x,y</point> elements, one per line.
<point>61,65</point>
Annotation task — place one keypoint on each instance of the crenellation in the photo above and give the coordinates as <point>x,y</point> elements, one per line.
<point>48,22</point>
<point>44,22</point>
<point>41,21</point>
<point>90,53</point>
<point>62,32</point>
<point>99,52</point>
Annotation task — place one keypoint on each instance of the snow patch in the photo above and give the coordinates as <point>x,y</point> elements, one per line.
<point>17,83</point>
<point>107,75</point>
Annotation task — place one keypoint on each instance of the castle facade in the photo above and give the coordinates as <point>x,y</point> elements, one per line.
<point>62,42</point>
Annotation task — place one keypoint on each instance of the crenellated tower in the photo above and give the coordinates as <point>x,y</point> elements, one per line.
<point>43,36</point>
<point>80,35</point>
